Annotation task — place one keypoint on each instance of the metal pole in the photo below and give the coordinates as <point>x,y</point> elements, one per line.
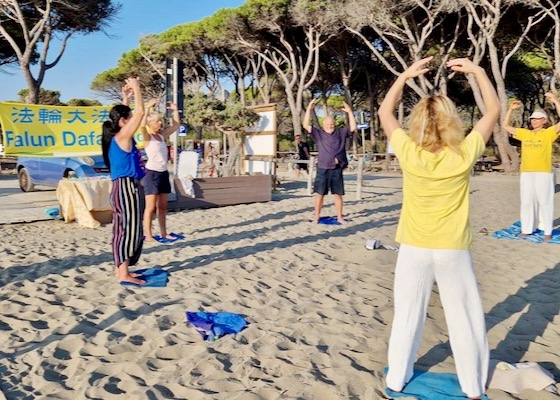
<point>310,170</point>
<point>175,84</point>
<point>363,133</point>
<point>359,178</point>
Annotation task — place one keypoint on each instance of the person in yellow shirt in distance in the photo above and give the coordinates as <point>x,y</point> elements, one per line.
<point>536,180</point>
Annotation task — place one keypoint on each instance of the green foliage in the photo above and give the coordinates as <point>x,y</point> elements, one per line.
<point>46,97</point>
<point>83,102</point>
<point>203,110</point>
<point>535,60</point>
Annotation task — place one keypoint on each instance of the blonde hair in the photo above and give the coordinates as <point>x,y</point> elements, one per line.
<point>153,117</point>
<point>435,124</point>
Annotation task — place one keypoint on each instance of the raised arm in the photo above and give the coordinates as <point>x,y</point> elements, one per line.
<point>176,120</point>
<point>385,112</point>
<point>554,100</point>
<point>486,124</point>
<point>131,126</point>
<point>126,95</point>
<point>351,118</point>
<point>144,124</point>
<point>515,105</point>
<point>307,117</point>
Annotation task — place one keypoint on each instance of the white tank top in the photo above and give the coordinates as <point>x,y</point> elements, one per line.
<point>156,150</point>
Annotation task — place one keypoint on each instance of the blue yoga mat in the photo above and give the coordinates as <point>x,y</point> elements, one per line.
<point>154,277</point>
<point>513,232</point>
<point>431,386</point>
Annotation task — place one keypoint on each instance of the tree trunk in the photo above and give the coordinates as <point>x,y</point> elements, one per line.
<point>508,155</point>
<point>294,110</point>
<point>232,166</point>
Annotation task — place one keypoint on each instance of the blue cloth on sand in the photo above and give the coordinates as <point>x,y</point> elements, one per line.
<point>213,325</point>
<point>514,231</point>
<point>154,277</point>
<point>329,221</point>
<point>431,386</point>
<point>176,236</point>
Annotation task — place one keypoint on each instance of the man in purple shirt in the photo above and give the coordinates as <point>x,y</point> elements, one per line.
<point>331,146</point>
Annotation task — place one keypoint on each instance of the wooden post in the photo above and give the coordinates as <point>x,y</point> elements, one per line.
<point>359,177</point>
<point>310,170</point>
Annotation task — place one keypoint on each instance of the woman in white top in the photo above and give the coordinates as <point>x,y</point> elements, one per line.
<point>156,182</point>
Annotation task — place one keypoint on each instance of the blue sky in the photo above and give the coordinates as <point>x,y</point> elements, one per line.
<point>87,56</point>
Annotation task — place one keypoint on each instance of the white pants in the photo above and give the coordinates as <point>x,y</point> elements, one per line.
<point>416,270</point>
<point>537,199</point>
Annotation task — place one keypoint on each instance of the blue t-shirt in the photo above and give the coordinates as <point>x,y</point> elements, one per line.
<point>125,164</point>
<point>331,146</point>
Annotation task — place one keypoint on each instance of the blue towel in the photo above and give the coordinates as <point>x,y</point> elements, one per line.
<point>213,325</point>
<point>154,277</point>
<point>431,386</point>
<point>329,221</point>
<point>514,231</point>
<point>176,236</point>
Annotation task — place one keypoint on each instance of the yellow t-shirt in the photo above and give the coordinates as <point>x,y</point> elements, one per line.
<point>435,210</point>
<point>536,148</point>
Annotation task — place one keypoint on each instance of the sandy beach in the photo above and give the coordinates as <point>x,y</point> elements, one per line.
<point>318,302</point>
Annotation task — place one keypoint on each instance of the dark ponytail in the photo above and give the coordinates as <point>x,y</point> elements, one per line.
<point>111,128</point>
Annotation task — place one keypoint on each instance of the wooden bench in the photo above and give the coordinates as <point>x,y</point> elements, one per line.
<point>224,191</point>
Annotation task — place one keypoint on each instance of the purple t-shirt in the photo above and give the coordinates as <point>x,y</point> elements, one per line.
<point>331,146</point>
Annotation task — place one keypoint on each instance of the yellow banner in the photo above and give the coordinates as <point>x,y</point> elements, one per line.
<point>56,131</point>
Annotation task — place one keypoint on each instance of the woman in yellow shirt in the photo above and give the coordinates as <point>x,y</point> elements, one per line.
<point>536,181</point>
<point>436,159</point>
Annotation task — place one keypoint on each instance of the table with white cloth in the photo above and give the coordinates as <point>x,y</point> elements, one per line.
<point>85,200</point>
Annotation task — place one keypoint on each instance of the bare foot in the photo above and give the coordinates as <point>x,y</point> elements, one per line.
<point>132,274</point>
<point>149,239</point>
<point>170,237</point>
<point>547,238</point>
<point>524,235</point>
<point>341,221</point>
<point>131,279</point>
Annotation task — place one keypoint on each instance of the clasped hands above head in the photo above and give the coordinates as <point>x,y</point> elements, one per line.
<point>345,107</point>
<point>420,67</point>
<point>551,97</point>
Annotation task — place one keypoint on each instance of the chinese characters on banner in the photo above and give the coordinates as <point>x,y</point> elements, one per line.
<point>55,131</point>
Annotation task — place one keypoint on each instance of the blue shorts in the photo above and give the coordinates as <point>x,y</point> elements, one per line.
<point>329,180</point>
<point>156,182</point>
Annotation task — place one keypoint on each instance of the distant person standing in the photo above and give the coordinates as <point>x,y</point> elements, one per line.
<point>536,181</point>
<point>211,159</point>
<point>303,154</point>
<point>127,195</point>
<point>156,183</point>
<point>331,146</point>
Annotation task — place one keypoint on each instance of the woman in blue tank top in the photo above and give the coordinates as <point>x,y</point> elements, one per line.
<point>127,195</point>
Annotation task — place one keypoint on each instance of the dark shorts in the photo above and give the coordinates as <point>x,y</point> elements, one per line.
<point>156,182</point>
<point>302,166</point>
<point>329,180</point>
